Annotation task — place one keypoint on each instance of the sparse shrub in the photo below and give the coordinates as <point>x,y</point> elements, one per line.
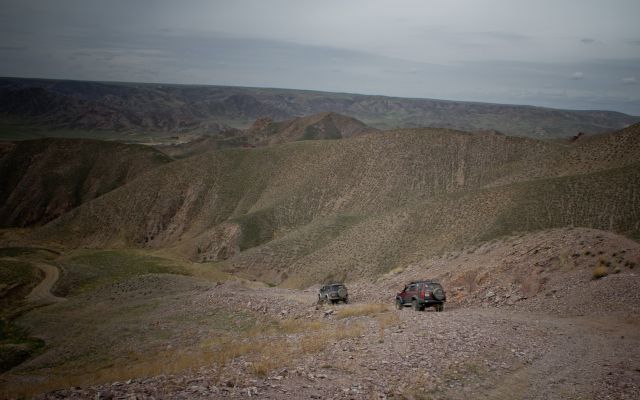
<point>350,331</point>
<point>617,270</point>
<point>387,319</point>
<point>587,253</point>
<point>296,326</point>
<point>313,344</point>
<point>575,255</point>
<point>357,310</point>
<point>600,272</point>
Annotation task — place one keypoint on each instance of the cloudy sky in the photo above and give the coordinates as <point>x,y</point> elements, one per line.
<point>579,54</point>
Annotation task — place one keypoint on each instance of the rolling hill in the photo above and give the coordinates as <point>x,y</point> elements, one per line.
<point>266,132</point>
<point>307,211</point>
<point>44,178</point>
<point>131,111</point>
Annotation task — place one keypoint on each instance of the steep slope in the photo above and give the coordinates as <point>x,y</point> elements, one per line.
<point>29,104</point>
<point>42,179</point>
<point>306,211</point>
<point>266,132</point>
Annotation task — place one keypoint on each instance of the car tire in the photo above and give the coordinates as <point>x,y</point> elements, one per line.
<point>399,305</point>
<point>416,305</point>
<point>439,307</point>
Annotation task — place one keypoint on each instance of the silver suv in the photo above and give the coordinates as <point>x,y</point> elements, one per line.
<point>333,293</point>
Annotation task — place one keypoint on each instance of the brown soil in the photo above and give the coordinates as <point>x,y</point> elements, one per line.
<point>525,326</point>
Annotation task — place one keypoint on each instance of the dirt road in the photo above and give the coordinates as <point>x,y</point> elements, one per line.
<point>459,354</point>
<point>42,292</point>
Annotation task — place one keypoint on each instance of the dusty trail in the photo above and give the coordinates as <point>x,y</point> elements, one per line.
<point>42,292</point>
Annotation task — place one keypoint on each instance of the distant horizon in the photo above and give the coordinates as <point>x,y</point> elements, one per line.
<point>569,55</point>
<point>107,81</point>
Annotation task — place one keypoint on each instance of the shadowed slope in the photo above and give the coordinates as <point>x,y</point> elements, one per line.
<point>43,179</point>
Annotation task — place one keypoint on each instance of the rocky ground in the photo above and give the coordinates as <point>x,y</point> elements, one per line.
<point>526,318</point>
<point>456,354</point>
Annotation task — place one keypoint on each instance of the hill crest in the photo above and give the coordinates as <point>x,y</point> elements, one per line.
<point>161,109</point>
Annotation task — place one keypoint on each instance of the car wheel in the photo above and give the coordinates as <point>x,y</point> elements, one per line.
<point>439,307</point>
<point>416,305</point>
<point>346,301</point>
<point>399,305</point>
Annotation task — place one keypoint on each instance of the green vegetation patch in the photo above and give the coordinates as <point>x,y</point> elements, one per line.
<point>17,278</point>
<point>88,269</point>
<point>15,345</point>
<point>17,273</point>
<point>129,321</point>
<point>257,228</point>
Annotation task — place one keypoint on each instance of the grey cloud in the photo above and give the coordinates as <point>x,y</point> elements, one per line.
<point>467,52</point>
<point>504,36</point>
<point>13,48</point>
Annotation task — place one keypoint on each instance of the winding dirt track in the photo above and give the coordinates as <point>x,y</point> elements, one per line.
<point>42,292</point>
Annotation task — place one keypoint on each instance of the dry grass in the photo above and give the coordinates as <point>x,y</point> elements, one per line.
<point>270,356</point>
<point>314,344</point>
<point>297,326</point>
<point>348,331</point>
<point>387,319</point>
<point>358,310</point>
<point>167,362</point>
<point>391,273</point>
<point>600,272</point>
<point>266,349</point>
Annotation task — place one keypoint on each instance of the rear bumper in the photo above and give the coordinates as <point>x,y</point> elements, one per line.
<point>432,302</point>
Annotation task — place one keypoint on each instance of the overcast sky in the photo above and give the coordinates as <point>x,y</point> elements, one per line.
<point>581,54</point>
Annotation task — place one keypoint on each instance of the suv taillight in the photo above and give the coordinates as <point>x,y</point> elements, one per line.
<point>422,294</point>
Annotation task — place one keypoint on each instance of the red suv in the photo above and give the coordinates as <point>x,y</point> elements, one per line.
<point>422,294</point>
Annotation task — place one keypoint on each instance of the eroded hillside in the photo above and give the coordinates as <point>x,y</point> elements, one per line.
<point>307,211</point>
<point>45,178</point>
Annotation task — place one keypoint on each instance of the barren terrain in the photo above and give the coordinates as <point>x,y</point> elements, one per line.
<point>525,319</point>
<point>149,276</point>
<point>144,112</point>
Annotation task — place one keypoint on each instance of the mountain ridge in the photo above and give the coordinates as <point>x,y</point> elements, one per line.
<point>164,109</point>
<point>289,212</point>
